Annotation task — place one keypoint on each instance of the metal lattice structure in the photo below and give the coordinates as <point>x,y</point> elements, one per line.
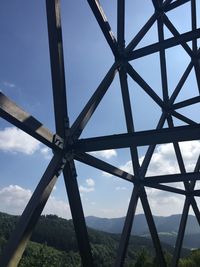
<point>68,146</point>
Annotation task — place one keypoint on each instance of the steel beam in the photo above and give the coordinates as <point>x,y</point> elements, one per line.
<point>135,41</point>
<point>138,79</point>
<point>171,42</point>
<point>21,235</point>
<point>104,25</point>
<point>182,118</point>
<point>166,3</point>
<point>120,24</point>
<point>62,127</point>
<point>174,31</point>
<point>156,4</point>
<point>136,168</point>
<point>57,66</point>
<point>129,119</point>
<point>93,103</point>
<point>187,102</point>
<point>143,138</point>
<point>172,178</point>
<point>80,228</point>
<point>194,24</point>
<point>175,4</point>
<point>103,166</point>
<point>180,235</point>
<point>166,188</point>
<point>125,236</point>
<point>152,229</point>
<point>72,148</point>
<point>181,83</point>
<point>191,199</point>
<point>27,123</point>
<point>151,148</point>
<point>163,66</point>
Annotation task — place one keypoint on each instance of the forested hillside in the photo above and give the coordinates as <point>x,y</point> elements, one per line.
<point>54,245</point>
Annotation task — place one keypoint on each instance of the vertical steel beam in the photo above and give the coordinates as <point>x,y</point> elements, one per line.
<point>21,235</point>
<point>180,235</point>
<point>62,127</point>
<point>121,24</point>
<point>194,24</point>
<point>136,167</point>
<point>71,184</point>
<point>194,43</point>
<point>121,254</point>
<point>163,66</point>
<point>57,66</point>
<point>190,199</point>
<point>129,118</point>
<point>152,229</point>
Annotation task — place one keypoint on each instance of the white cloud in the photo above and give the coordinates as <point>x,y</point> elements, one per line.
<point>164,162</point>
<point>107,154</point>
<point>88,187</point>
<point>84,189</point>
<point>13,200</point>
<point>14,140</point>
<point>164,159</point>
<point>90,182</point>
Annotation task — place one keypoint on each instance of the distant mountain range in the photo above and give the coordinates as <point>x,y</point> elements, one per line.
<point>167,228</point>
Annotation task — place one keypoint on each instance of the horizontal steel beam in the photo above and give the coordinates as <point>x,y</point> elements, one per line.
<point>186,103</point>
<point>156,47</point>
<point>172,178</point>
<point>196,193</point>
<point>166,188</point>
<point>24,121</point>
<point>143,138</point>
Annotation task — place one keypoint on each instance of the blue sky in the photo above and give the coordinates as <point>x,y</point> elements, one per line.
<point>25,78</point>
